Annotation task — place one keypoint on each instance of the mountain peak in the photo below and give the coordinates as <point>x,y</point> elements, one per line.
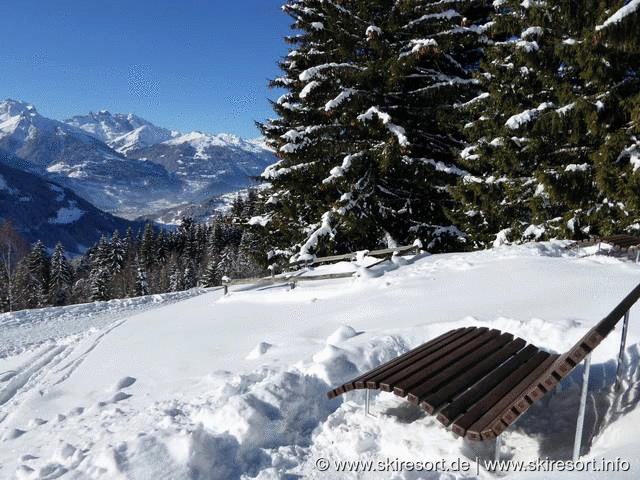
<point>12,108</point>
<point>122,132</point>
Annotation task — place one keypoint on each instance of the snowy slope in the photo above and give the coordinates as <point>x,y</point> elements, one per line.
<point>215,387</point>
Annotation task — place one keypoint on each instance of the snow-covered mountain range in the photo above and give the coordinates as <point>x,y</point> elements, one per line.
<point>125,165</point>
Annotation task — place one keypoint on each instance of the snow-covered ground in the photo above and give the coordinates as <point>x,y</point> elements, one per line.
<point>203,386</point>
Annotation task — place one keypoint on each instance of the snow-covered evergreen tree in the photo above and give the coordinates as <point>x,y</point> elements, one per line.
<point>61,277</point>
<point>612,68</point>
<point>364,134</point>
<point>100,275</point>
<point>34,278</point>
<point>148,248</point>
<point>142,284</point>
<point>211,277</point>
<point>175,277</point>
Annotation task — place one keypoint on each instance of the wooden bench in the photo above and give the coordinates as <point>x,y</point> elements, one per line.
<point>479,381</point>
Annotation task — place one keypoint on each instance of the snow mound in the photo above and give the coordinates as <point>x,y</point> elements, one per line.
<point>124,382</point>
<point>259,350</point>
<point>343,333</point>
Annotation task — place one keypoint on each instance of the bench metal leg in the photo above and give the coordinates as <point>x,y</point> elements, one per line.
<point>577,443</point>
<point>623,342</point>
<point>498,448</point>
<point>367,402</point>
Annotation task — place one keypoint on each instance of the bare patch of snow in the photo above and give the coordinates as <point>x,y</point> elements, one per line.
<point>67,214</point>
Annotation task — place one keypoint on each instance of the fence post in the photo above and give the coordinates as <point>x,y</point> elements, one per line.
<point>623,342</point>
<point>577,442</point>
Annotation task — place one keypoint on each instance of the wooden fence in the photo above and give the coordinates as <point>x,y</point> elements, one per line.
<point>292,278</point>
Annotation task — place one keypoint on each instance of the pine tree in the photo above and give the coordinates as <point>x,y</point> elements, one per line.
<point>175,277</point>
<point>610,65</point>
<point>147,246</point>
<point>35,282</point>
<point>211,277</point>
<point>61,277</point>
<point>100,276</point>
<point>142,284</point>
<point>189,276</point>
<point>5,287</point>
<point>363,133</point>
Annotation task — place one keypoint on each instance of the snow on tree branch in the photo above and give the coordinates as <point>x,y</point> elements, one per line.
<point>314,72</point>
<point>398,131</point>
<point>342,96</point>
<point>320,230</point>
<point>516,121</point>
<point>339,171</point>
<point>625,11</point>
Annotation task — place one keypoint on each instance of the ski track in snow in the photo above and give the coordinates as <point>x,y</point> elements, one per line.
<point>52,339</point>
<point>42,325</point>
<point>274,421</point>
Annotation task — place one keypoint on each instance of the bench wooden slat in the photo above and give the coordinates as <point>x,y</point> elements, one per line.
<point>484,404</point>
<point>481,429</point>
<point>405,359</point>
<point>453,371</point>
<point>410,359</point>
<point>484,386</point>
<point>351,384</point>
<point>435,400</point>
<point>396,374</point>
<point>471,349</point>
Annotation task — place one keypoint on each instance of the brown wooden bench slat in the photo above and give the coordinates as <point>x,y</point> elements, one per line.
<point>462,356</point>
<point>462,402</point>
<point>385,380</point>
<point>411,356</point>
<point>427,356</point>
<point>351,384</point>
<point>481,429</point>
<point>620,240</point>
<point>430,403</point>
<point>458,368</point>
<point>484,404</point>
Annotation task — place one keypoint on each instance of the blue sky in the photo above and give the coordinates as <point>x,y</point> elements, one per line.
<point>187,65</point>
